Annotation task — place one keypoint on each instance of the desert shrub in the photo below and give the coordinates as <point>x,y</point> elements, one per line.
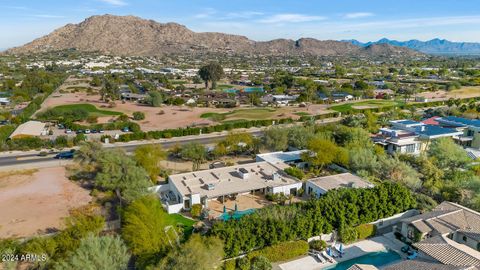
<point>138,116</point>
<point>295,172</point>
<point>318,245</point>
<point>196,210</point>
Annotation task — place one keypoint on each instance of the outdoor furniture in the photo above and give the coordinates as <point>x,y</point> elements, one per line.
<point>329,258</point>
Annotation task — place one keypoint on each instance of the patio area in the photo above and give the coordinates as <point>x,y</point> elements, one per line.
<point>243,202</point>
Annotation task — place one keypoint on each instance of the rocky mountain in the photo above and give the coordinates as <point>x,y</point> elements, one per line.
<point>130,35</point>
<point>434,46</point>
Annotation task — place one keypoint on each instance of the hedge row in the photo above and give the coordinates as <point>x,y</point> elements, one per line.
<point>180,132</point>
<point>282,252</point>
<point>365,231</point>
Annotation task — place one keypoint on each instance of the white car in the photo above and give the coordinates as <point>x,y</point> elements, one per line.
<point>87,131</point>
<point>68,131</point>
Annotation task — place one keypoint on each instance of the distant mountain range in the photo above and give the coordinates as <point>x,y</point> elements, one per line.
<point>130,35</point>
<point>434,46</point>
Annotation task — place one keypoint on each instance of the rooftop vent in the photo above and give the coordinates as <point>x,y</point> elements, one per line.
<point>210,186</point>
<point>243,173</point>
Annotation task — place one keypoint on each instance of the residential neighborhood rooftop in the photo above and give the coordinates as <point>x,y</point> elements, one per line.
<point>343,180</point>
<point>449,252</point>
<point>229,180</point>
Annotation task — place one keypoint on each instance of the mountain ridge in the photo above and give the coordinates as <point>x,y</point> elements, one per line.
<point>131,35</point>
<point>433,46</point>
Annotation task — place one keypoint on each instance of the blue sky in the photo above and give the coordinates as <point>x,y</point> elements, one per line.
<point>458,20</point>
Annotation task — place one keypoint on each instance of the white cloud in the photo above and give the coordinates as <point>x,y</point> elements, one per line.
<point>243,14</point>
<point>358,15</point>
<point>291,18</point>
<point>48,16</point>
<point>206,13</point>
<point>117,3</point>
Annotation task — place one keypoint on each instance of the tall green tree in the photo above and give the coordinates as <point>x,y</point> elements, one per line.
<point>149,156</point>
<point>194,152</point>
<point>143,229</point>
<point>105,252</point>
<point>120,173</point>
<point>447,154</point>
<point>211,72</point>
<point>321,152</point>
<point>276,138</point>
<point>202,253</point>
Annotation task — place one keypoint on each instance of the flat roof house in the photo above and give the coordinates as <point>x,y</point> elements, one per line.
<point>199,187</point>
<point>321,185</point>
<point>408,136</point>
<point>29,129</point>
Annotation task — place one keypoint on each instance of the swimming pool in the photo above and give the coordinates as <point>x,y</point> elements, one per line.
<point>375,258</point>
<point>246,90</point>
<point>236,214</point>
<point>253,89</point>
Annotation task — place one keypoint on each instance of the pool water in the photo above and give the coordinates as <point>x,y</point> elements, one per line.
<point>236,214</point>
<point>253,89</point>
<point>246,90</point>
<point>377,259</point>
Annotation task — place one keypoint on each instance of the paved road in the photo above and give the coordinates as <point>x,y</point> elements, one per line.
<point>30,160</point>
<point>35,160</point>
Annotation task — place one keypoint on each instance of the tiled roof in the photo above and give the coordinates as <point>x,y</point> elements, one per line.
<point>449,252</point>
<point>362,267</point>
<point>420,265</point>
<point>447,217</point>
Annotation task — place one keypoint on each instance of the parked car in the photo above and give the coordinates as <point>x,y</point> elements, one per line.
<point>68,131</point>
<point>87,131</point>
<point>94,131</point>
<point>125,129</point>
<point>79,131</point>
<point>61,126</point>
<point>101,131</point>
<point>65,155</point>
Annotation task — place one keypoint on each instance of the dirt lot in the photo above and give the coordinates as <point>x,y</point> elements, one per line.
<point>156,118</point>
<point>33,202</point>
<point>464,92</point>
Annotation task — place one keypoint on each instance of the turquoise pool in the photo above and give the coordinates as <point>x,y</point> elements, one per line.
<point>253,89</point>
<point>246,90</point>
<point>377,259</point>
<point>236,214</point>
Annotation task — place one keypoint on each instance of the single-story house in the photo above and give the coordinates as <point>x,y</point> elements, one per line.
<point>321,185</point>
<point>199,187</point>
<point>29,129</point>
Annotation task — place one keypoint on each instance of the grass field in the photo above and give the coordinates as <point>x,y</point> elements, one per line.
<point>366,104</point>
<point>91,109</point>
<point>245,114</point>
<point>175,219</point>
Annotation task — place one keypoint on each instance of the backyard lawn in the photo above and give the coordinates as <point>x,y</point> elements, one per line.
<point>175,219</point>
<point>366,104</point>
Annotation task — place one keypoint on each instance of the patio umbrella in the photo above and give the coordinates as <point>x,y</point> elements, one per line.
<point>329,252</point>
<point>236,207</point>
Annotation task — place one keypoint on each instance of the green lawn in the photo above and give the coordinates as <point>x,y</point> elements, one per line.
<point>302,114</point>
<point>91,109</point>
<point>377,103</point>
<point>175,219</point>
<point>246,114</point>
